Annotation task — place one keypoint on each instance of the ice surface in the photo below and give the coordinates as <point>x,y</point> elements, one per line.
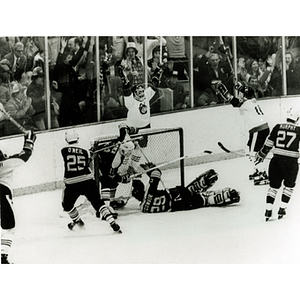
<point>237,234</point>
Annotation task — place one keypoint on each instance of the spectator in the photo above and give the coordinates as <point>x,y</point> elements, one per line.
<point>36,91</point>
<point>210,96</point>
<point>179,94</point>
<point>17,61</point>
<point>5,89</point>
<point>292,74</point>
<point>132,65</point>
<point>262,76</point>
<point>210,69</point>
<point>242,71</point>
<point>176,51</point>
<point>20,108</point>
<point>65,81</point>
<point>254,84</point>
<point>160,69</point>
<point>6,44</point>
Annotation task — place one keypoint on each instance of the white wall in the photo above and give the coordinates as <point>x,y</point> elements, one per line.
<point>203,128</point>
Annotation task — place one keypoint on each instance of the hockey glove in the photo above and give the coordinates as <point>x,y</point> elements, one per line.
<point>259,157</point>
<point>224,92</point>
<point>29,140</point>
<point>148,166</point>
<point>234,196</point>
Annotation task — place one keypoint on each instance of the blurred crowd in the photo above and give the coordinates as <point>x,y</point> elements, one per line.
<point>72,64</point>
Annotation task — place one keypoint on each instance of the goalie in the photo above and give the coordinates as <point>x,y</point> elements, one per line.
<point>193,196</point>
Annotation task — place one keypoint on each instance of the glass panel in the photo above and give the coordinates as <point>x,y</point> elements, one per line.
<point>210,63</point>
<point>258,62</point>
<point>75,72</point>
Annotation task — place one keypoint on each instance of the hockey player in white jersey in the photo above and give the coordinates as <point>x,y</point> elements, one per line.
<point>257,125</point>
<point>7,166</point>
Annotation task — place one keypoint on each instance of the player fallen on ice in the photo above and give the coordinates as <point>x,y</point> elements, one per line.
<point>283,167</point>
<point>257,125</point>
<point>117,162</point>
<point>194,195</point>
<point>7,166</point>
<point>79,180</point>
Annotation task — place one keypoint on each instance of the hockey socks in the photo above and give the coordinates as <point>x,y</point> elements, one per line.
<point>107,216</point>
<point>74,215</point>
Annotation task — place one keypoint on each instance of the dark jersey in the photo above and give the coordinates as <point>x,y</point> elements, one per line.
<point>175,199</point>
<point>284,138</point>
<point>76,163</point>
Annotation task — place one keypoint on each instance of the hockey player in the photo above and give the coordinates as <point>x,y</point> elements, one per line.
<point>257,124</point>
<point>116,163</point>
<point>195,195</point>
<point>7,166</point>
<point>79,180</point>
<point>137,101</point>
<point>283,167</point>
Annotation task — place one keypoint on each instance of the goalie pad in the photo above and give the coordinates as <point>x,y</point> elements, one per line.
<point>203,182</point>
<point>222,197</point>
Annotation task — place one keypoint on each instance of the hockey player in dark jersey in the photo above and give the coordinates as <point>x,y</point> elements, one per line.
<point>283,167</point>
<point>79,180</point>
<point>256,121</point>
<point>7,166</point>
<point>194,195</point>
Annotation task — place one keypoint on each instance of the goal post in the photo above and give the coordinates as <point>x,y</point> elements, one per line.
<point>158,145</point>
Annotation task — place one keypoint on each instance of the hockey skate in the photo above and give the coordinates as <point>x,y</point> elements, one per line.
<point>268,214</point>
<point>4,259</point>
<point>80,223</point>
<point>116,228</point>
<point>254,175</point>
<point>281,213</point>
<point>262,179</point>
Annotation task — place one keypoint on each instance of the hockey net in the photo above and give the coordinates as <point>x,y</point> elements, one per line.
<point>155,145</point>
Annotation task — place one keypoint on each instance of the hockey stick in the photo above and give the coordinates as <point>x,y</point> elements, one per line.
<point>237,153</point>
<point>113,145</point>
<point>229,151</point>
<point>170,162</point>
<point>11,119</point>
<point>228,59</point>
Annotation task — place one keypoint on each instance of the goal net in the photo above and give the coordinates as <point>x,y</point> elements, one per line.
<point>158,146</point>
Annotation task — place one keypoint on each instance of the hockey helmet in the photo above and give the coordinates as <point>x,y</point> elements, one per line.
<point>293,115</point>
<point>126,148</point>
<point>71,136</point>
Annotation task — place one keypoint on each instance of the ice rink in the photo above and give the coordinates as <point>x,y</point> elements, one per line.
<point>236,234</point>
<point>215,252</point>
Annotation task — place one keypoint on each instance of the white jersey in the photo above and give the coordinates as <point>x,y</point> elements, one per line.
<point>139,111</point>
<point>253,115</point>
<point>6,170</point>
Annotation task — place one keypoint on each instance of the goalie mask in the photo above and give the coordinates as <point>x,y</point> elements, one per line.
<point>138,92</point>
<point>71,136</point>
<point>293,115</point>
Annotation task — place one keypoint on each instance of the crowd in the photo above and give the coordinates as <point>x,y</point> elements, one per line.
<point>73,74</point>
